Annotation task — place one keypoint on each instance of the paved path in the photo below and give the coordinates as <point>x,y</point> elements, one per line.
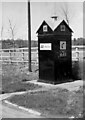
<point>71,86</point>
<point>13,112</point>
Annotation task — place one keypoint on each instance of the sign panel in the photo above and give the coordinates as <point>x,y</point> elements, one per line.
<point>62,53</point>
<point>62,45</point>
<point>45,46</point>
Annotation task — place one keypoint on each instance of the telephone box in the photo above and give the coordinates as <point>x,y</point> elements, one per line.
<point>54,51</point>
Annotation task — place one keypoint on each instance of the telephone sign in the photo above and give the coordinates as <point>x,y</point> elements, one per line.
<point>62,45</point>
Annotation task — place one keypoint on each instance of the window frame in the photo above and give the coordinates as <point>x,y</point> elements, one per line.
<point>62,28</point>
<point>45,28</point>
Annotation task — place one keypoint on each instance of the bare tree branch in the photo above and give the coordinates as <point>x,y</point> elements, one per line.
<point>2,33</point>
<point>12,28</point>
<point>65,11</point>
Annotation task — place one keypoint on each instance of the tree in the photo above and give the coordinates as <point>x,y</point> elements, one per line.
<point>74,41</point>
<point>66,12</point>
<point>2,33</point>
<point>12,30</point>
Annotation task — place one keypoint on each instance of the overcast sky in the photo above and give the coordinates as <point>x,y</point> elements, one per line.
<point>16,11</point>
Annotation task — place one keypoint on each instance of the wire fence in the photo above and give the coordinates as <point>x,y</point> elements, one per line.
<point>20,55</point>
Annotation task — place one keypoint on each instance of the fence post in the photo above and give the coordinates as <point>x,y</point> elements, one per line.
<point>10,60</point>
<point>77,53</point>
<point>37,56</point>
<point>23,55</point>
<point>1,55</point>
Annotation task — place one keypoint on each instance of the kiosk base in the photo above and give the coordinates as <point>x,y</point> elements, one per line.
<point>55,82</point>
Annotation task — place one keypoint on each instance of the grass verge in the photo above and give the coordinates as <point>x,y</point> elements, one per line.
<point>19,87</point>
<point>52,102</point>
<point>14,77</point>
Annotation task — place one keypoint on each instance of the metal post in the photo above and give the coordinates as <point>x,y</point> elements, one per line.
<point>29,37</point>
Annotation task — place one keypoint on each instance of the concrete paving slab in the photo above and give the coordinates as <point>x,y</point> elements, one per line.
<point>69,85</point>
